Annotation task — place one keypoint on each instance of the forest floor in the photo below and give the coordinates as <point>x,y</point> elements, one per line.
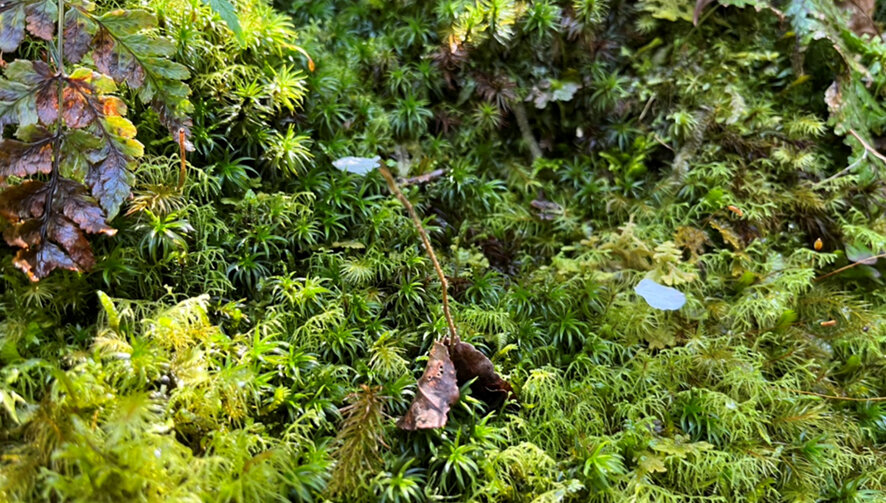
<point>661,221</point>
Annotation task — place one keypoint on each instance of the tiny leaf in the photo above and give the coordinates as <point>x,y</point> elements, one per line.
<point>660,296</point>
<point>12,27</point>
<point>357,165</point>
<point>860,254</point>
<point>110,310</point>
<point>228,13</point>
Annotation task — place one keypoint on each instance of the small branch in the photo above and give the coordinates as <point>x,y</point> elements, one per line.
<point>425,178</point>
<point>523,123</point>
<point>453,334</point>
<point>834,397</point>
<point>867,147</point>
<point>850,266</point>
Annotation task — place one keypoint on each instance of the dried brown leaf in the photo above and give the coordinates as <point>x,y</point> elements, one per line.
<point>120,65</point>
<point>437,391</point>
<point>23,201</point>
<point>65,233</point>
<point>37,262</point>
<point>78,35</point>
<point>470,363</point>
<point>21,159</point>
<point>40,16</point>
<point>83,209</point>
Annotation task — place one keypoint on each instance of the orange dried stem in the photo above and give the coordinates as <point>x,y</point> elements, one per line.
<point>181,155</point>
<point>427,242</point>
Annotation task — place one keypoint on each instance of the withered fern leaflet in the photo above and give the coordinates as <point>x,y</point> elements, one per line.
<point>68,169</point>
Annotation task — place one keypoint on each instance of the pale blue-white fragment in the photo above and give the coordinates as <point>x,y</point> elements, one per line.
<point>357,165</point>
<point>660,296</point>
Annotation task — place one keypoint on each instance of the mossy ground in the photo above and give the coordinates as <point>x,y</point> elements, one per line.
<point>241,316</point>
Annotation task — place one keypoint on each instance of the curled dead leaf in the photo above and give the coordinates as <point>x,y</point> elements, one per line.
<point>470,363</point>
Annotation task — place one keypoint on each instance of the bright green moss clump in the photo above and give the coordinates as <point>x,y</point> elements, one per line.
<point>260,330</point>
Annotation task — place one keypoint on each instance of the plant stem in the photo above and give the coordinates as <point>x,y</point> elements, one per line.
<point>850,266</point>
<point>181,155</point>
<point>842,172</point>
<point>57,141</point>
<point>60,43</point>
<point>453,334</point>
<point>867,146</point>
<point>523,123</point>
<point>834,397</point>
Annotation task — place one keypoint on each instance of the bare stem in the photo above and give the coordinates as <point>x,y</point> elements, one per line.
<point>523,123</point>
<point>845,170</point>
<point>850,266</point>
<point>835,397</point>
<point>867,146</point>
<point>453,334</point>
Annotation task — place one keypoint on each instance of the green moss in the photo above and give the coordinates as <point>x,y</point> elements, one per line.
<point>244,313</point>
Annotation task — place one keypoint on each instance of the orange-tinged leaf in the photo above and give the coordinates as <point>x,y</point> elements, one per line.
<point>113,106</point>
<point>78,112</point>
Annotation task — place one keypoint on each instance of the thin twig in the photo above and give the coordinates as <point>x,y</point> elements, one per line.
<point>842,172</point>
<point>453,339</point>
<point>834,397</point>
<point>867,147</point>
<point>850,266</point>
<point>425,178</point>
<point>525,131</point>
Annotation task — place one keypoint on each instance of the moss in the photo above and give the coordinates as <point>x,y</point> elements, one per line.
<point>262,348</point>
